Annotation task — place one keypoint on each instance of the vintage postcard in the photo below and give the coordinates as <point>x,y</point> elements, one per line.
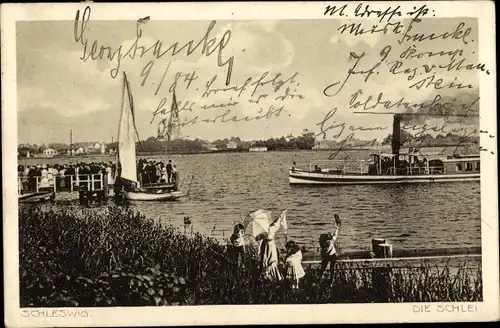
<point>249,163</point>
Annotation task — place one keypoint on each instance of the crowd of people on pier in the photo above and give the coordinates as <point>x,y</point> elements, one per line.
<point>61,176</point>
<point>269,255</point>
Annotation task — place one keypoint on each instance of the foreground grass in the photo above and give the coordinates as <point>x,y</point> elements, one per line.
<point>116,257</point>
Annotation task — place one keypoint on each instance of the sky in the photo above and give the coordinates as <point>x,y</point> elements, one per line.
<point>58,91</point>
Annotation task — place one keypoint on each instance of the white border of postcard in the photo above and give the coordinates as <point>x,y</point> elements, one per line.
<point>205,315</point>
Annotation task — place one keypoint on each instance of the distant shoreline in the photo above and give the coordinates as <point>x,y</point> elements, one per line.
<point>143,154</point>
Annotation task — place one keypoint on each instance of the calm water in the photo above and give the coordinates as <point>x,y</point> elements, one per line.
<point>224,187</point>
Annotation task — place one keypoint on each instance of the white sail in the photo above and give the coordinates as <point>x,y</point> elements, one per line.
<point>126,135</point>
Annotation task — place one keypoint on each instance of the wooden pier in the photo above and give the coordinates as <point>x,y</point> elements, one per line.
<point>90,187</point>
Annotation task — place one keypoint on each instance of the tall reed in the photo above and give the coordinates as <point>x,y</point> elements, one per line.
<point>117,257</point>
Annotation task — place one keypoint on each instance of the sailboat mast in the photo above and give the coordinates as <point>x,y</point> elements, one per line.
<point>117,155</point>
<point>169,133</point>
<point>174,114</point>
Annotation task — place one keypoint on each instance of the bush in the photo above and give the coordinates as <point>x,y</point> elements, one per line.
<point>112,256</point>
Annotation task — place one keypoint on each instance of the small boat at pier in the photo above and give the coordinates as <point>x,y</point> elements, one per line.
<point>37,197</point>
<point>391,168</point>
<point>127,184</point>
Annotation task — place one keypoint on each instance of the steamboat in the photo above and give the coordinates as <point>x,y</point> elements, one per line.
<point>391,168</point>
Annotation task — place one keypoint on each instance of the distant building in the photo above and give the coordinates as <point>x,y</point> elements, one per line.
<point>49,152</point>
<point>80,150</point>
<point>210,146</point>
<point>325,144</point>
<point>232,145</point>
<point>66,152</point>
<point>93,147</point>
<point>257,149</point>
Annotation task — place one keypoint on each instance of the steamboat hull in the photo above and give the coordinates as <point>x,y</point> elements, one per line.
<point>313,178</point>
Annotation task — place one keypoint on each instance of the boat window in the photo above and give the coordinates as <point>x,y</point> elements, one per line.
<point>459,167</point>
<point>478,167</point>
<point>468,166</point>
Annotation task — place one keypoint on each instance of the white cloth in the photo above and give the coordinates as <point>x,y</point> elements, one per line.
<point>44,182</point>
<point>294,266</point>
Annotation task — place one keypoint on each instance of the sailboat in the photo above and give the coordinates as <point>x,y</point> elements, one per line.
<point>127,183</point>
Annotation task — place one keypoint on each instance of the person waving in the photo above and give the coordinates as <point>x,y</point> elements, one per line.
<point>328,251</point>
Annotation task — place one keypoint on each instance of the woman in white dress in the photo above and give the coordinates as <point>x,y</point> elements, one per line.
<point>44,180</point>
<point>109,174</point>
<point>62,177</point>
<point>163,173</point>
<point>269,253</point>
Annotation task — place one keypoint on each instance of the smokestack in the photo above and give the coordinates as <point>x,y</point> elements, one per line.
<point>396,134</point>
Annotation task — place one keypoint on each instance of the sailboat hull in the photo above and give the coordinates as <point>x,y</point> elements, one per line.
<point>151,196</point>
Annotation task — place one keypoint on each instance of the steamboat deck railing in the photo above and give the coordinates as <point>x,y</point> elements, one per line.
<point>344,167</point>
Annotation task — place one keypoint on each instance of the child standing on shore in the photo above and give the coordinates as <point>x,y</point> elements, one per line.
<point>294,269</point>
<point>237,247</point>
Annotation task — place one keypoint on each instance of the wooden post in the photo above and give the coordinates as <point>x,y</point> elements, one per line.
<point>385,250</point>
<point>71,183</point>
<point>104,178</point>
<point>379,165</point>
<point>91,187</point>
<point>375,243</point>
<point>37,187</point>
<point>381,248</point>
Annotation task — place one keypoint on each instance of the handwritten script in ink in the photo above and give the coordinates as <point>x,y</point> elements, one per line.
<point>202,96</point>
<point>416,66</point>
<point>207,45</point>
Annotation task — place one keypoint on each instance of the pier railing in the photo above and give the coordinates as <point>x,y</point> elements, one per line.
<point>69,183</point>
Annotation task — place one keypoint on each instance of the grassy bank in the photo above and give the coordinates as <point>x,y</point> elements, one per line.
<point>115,257</point>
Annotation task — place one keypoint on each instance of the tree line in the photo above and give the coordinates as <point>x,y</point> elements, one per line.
<point>427,140</point>
<point>153,145</point>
